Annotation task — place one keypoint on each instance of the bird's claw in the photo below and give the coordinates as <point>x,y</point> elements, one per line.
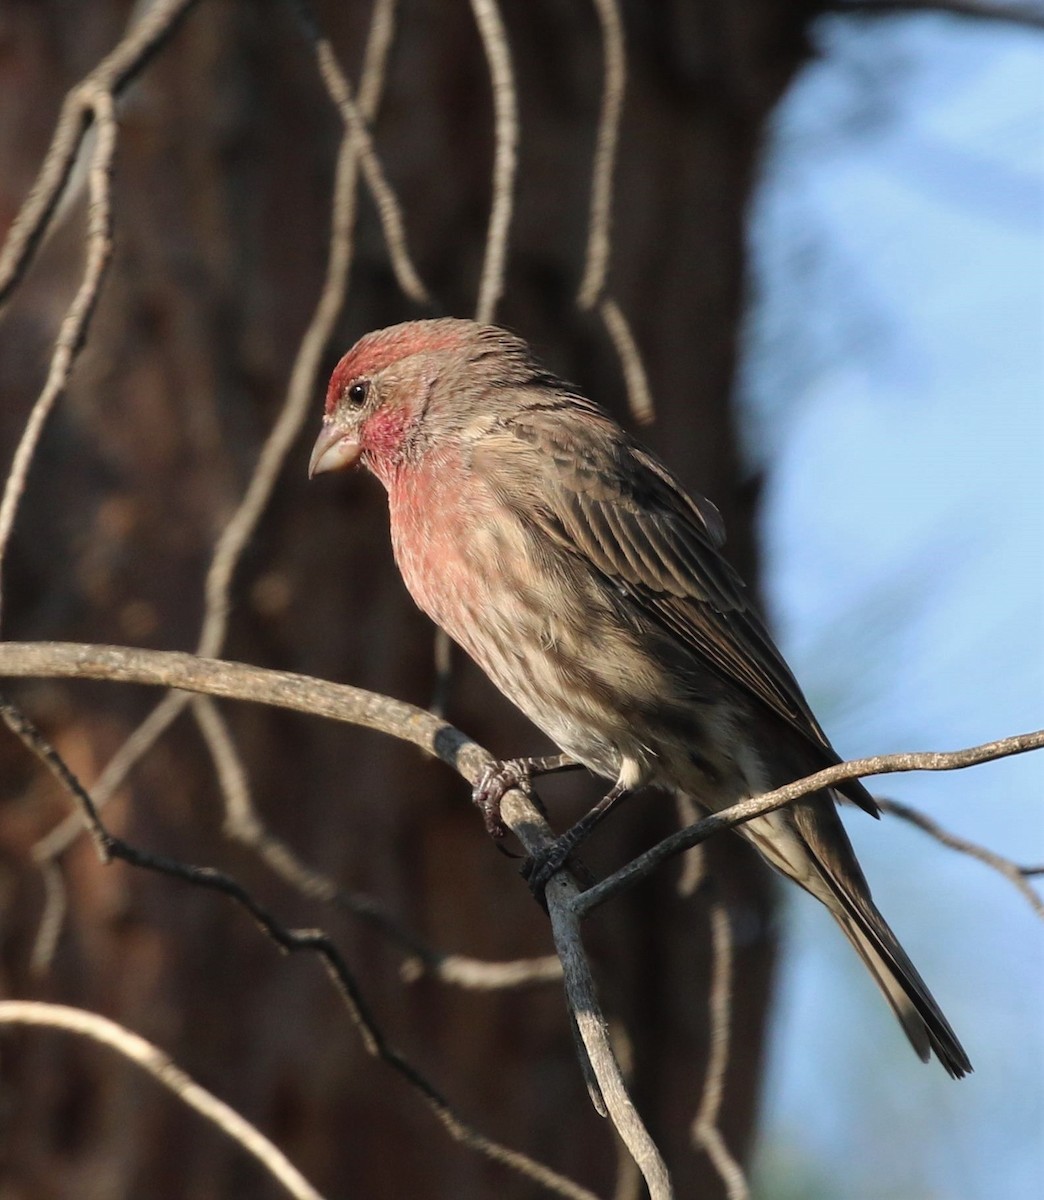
<point>493,785</point>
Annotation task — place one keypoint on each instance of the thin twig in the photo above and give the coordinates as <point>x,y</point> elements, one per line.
<point>706,1131</point>
<point>389,212</point>
<point>112,75</point>
<point>56,904</point>
<point>639,396</point>
<point>614,66</point>
<point>756,806</point>
<point>110,847</point>
<point>243,824</point>
<point>477,975</point>
<point>73,329</point>
<point>155,1063</point>
<point>1012,871</point>
<point>302,693</point>
<point>505,158</point>
<point>58,839</point>
<point>238,531</point>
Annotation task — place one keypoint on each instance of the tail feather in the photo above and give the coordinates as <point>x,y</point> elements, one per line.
<point>902,986</point>
<point>808,843</point>
<point>899,980</point>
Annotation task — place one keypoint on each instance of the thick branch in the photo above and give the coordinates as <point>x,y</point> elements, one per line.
<point>110,847</point>
<point>301,693</point>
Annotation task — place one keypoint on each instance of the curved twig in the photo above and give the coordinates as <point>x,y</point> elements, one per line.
<point>614,67</point>
<point>239,529</point>
<point>1015,874</point>
<point>157,1064</point>
<point>736,814</point>
<point>706,1128</point>
<point>639,395</point>
<point>110,77</point>
<point>110,847</point>
<point>505,159</point>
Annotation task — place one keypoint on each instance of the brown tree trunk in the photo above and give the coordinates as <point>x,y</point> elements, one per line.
<point>224,174</point>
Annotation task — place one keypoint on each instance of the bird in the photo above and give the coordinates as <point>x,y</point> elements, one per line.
<point>590,586</point>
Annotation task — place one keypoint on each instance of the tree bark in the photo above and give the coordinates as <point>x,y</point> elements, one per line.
<point>224,174</point>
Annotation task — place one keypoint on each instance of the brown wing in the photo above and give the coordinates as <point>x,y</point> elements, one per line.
<point>598,495</point>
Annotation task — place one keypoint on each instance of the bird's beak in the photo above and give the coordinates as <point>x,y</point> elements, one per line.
<point>334,449</point>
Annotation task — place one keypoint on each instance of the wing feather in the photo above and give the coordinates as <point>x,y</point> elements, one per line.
<point>598,496</point>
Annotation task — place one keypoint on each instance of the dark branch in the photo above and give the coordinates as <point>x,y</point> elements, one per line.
<point>111,847</point>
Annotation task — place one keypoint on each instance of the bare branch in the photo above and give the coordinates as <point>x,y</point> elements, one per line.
<point>614,66</point>
<point>639,397</point>
<point>389,211</point>
<point>111,847</point>
<point>243,824</point>
<point>73,329</point>
<point>302,693</point>
<point>706,1131</point>
<point>109,78</point>
<point>240,681</point>
<point>238,531</point>
<point>561,893</point>
<point>505,160</point>
<point>756,806</point>
<point>155,1063</point>
<point>1015,874</point>
<point>1016,14</point>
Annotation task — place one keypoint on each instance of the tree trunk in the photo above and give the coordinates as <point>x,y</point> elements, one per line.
<point>223,181</point>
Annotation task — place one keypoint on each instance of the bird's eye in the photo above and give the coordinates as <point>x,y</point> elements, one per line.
<point>358,392</point>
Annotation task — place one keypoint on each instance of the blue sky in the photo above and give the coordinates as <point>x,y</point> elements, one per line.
<point>894,388</point>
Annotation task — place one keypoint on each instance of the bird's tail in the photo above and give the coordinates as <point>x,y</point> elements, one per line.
<point>837,880</point>
<point>904,989</point>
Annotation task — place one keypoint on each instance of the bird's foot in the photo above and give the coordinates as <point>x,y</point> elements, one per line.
<point>493,785</point>
<point>500,777</point>
<point>538,869</point>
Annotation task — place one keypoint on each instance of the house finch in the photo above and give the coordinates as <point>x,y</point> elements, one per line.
<point>575,570</point>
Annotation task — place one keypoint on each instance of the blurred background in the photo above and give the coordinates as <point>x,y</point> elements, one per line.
<point>828,237</point>
<point>893,384</point>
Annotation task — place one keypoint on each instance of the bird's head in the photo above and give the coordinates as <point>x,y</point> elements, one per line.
<point>400,388</point>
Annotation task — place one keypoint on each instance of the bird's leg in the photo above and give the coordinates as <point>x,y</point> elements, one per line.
<point>540,867</point>
<point>500,777</point>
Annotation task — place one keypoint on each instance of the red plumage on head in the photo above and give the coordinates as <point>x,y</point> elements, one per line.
<point>376,351</point>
